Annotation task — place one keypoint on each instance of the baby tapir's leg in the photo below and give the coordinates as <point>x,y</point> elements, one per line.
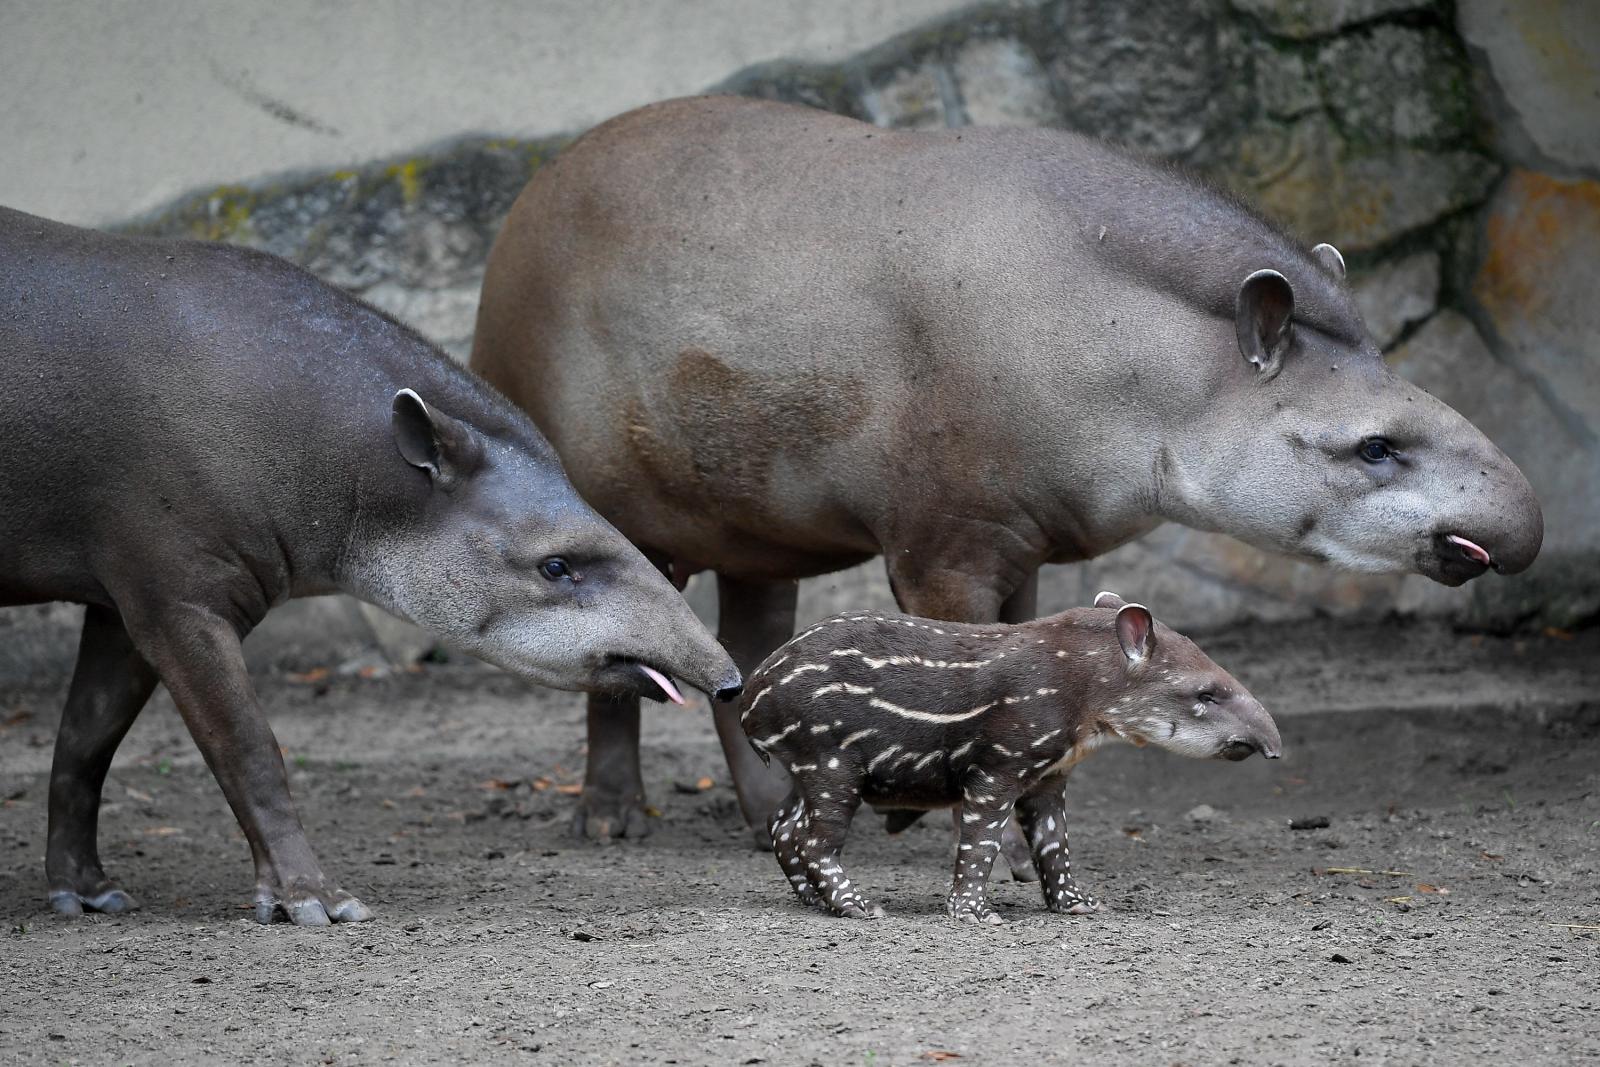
<point>986,806</point>
<point>823,824</point>
<point>785,828</point>
<point>1043,815</point>
<point>1021,606</point>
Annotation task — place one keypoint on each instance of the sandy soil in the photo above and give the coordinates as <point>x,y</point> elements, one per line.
<point>1468,763</point>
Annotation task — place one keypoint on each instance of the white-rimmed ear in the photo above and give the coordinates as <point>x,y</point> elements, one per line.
<point>1262,318</point>
<point>1136,632</point>
<point>1107,599</point>
<point>1330,259</point>
<point>432,441</point>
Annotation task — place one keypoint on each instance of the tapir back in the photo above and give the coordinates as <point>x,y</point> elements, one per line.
<point>758,334</point>
<point>170,395</point>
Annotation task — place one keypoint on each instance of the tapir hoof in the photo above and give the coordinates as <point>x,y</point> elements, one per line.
<point>1074,906</point>
<point>600,817</point>
<point>310,908</point>
<point>983,915</point>
<point>111,900</point>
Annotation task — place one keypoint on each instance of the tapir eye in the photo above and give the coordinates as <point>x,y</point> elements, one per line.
<point>1376,450</point>
<point>555,568</point>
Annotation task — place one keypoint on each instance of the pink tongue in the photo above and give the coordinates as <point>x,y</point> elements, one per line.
<point>672,691</point>
<point>1474,551</point>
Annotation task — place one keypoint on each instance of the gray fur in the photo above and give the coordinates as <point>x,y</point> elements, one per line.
<point>195,433</point>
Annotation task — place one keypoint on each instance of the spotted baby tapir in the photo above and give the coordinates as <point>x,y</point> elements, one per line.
<point>903,712</point>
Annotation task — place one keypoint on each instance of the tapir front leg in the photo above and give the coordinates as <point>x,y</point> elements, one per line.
<point>110,686</point>
<point>1043,817</point>
<point>197,654</point>
<point>753,619</point>
<point>612,804</point>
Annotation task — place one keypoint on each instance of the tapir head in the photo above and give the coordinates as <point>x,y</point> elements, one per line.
<point>1170,694</point>
<point>1312,446</point>
<point>502,558</point>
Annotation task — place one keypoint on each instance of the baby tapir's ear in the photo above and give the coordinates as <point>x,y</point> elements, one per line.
<point>1136,632</point>
<point>1107,599</point>
<point>431,440</point>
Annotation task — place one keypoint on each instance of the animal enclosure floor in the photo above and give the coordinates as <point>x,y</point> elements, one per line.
<point>1459,777</point>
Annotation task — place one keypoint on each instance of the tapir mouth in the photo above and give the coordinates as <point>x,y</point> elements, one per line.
<point>633,677</point>
<point>1471,549</point>
<point>1459,559</point>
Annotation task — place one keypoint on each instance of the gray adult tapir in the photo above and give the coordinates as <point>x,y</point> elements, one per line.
<point>194,433</point>
<point>775,342</point>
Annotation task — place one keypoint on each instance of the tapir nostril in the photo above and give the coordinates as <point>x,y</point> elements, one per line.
<point>729,692</point>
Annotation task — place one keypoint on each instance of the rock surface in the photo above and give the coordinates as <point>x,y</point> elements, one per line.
<point>1543,62</point>
<point>1397,293</point>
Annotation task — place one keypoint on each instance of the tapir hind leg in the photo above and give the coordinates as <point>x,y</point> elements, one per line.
<point>110,686</point>
<point>786,826</point>
<point>198,656</point>
<point>820,833</point>
<point>1020,606</point>
<point>753,619</point>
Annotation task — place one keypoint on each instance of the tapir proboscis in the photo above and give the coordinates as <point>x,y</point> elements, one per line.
<point>774,342</point>
<point>194,433</point>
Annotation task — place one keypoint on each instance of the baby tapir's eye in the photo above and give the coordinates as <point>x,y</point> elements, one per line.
<point>1203,700</point>
<point>555,568</point>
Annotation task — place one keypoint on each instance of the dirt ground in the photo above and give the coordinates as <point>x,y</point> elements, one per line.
<point>1471,764</point>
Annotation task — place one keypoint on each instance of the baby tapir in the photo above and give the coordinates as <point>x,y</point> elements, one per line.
<point>194,433</point>
<point>910,713</point>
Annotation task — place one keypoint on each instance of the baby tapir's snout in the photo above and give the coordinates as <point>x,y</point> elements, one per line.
<point>1259,733</point>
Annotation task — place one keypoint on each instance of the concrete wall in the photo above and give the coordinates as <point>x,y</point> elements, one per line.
<point>1451,151</point>
<point>109,108</point>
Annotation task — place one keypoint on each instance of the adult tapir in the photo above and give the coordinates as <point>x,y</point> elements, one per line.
<point>774,342</point>
<point>194,433</point>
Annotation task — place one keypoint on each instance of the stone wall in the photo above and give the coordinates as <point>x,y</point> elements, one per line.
<point>1452,152</point>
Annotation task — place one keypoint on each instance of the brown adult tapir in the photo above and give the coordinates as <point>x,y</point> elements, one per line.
<point>194,433</point>
<point>774,342</point>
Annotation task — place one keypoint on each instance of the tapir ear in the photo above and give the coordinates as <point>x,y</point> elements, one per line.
<point>1330,259</point>
<point>428,438</point>
<point>1136,632</point>
<point>1107,599</point>
<point>1265,307</point>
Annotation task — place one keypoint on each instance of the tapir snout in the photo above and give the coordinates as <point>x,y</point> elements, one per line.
<point>1260,734</point>
<point>1497,523</point>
